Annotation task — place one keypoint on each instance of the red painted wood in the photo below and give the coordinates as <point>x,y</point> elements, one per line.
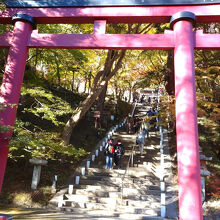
<point>154,14</point>
<point>190,205</point>
<point>104,41</point>
<point>11,85</point>
<point>207,41</point>
<point>114,41</point>
<point>100,27</point>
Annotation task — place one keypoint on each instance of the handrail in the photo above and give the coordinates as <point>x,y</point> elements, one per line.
<point>131,156</point>
<point>122,179</point>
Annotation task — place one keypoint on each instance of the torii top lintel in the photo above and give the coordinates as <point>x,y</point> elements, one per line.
<point>113,11</point>
<point>87,3</point>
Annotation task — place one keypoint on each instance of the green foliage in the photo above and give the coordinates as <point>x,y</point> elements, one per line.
<point>38,144</point>
<point>124,108</point>
<point>2,5</point>
<point>30,140</point>
<point>209,136</point>
<point>43,104</point>
<point>4,128</point>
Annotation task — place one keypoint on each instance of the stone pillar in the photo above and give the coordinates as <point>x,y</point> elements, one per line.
<point>12,80</point>
<point>190,203</point>
<point>204,172</point>
<point>37,171</point>
<point>36,176</point>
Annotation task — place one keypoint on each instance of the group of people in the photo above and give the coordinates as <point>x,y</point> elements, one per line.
<point>141,137</point>
<point>113,153</point>
<point>129,124</point>
<point>150,123</point>
<point>152,100</point>
<point>132,124</point>
<point>153,119</point>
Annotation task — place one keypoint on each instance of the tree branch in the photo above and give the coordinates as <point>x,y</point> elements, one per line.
<point>146,29</point>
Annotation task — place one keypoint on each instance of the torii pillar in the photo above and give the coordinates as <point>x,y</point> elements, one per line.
<point>12,81</point>
<point>190,202</point>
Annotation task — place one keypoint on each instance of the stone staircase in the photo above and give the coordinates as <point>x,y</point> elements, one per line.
<point>100,194</point>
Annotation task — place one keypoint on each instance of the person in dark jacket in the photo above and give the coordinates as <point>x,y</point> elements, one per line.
<point>140,140</point>
<point>119,152</point>
<point>109,154</point>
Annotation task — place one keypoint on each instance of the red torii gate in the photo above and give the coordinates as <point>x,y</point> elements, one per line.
<point>182,39</point>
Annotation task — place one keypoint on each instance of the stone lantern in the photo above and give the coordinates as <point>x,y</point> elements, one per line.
<point>203,171</point>
<point>37,170</point>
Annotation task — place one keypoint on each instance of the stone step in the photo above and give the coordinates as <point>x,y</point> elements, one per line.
<point>104,213</point>
<point>115,205</point>
<point>107,214</point>
<point>107,185</point>
<point>137,197</point>
<point>140,216</point>
<point>141,203</point>
<point>116,195</point>
<point>86,198</point>
<point>111,205</point>
<point>95,191</point>
<point>132,191</point>
<point>100,160</point>
<point>113,211</point>
<point>129,179</point>
<point>104,172</point>
<point>139,210</point>
<point>132,172</point>
<point>140,167</point>
<point>98,193</point>
<point>112,202</point>
<point>151,197</point>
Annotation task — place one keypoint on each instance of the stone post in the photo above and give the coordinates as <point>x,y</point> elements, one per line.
<point>37,171</point>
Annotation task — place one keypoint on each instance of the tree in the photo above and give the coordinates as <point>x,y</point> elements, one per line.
<point>112,64</point>
<point>99,84</point>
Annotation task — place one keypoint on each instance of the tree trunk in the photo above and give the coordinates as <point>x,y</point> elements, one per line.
<point>80,112</point>
<point>73,79</point>
<point>101,102</point>
<point>98,85</point>
<point>89,79</point>
<point>107,70</point>
<point>129,98</point>
<point>36,58</point>
<point>77,86</point>
<point>116,90</point>
<point>170,82</point>
<point>85,85</point>
<point>58,69</point>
